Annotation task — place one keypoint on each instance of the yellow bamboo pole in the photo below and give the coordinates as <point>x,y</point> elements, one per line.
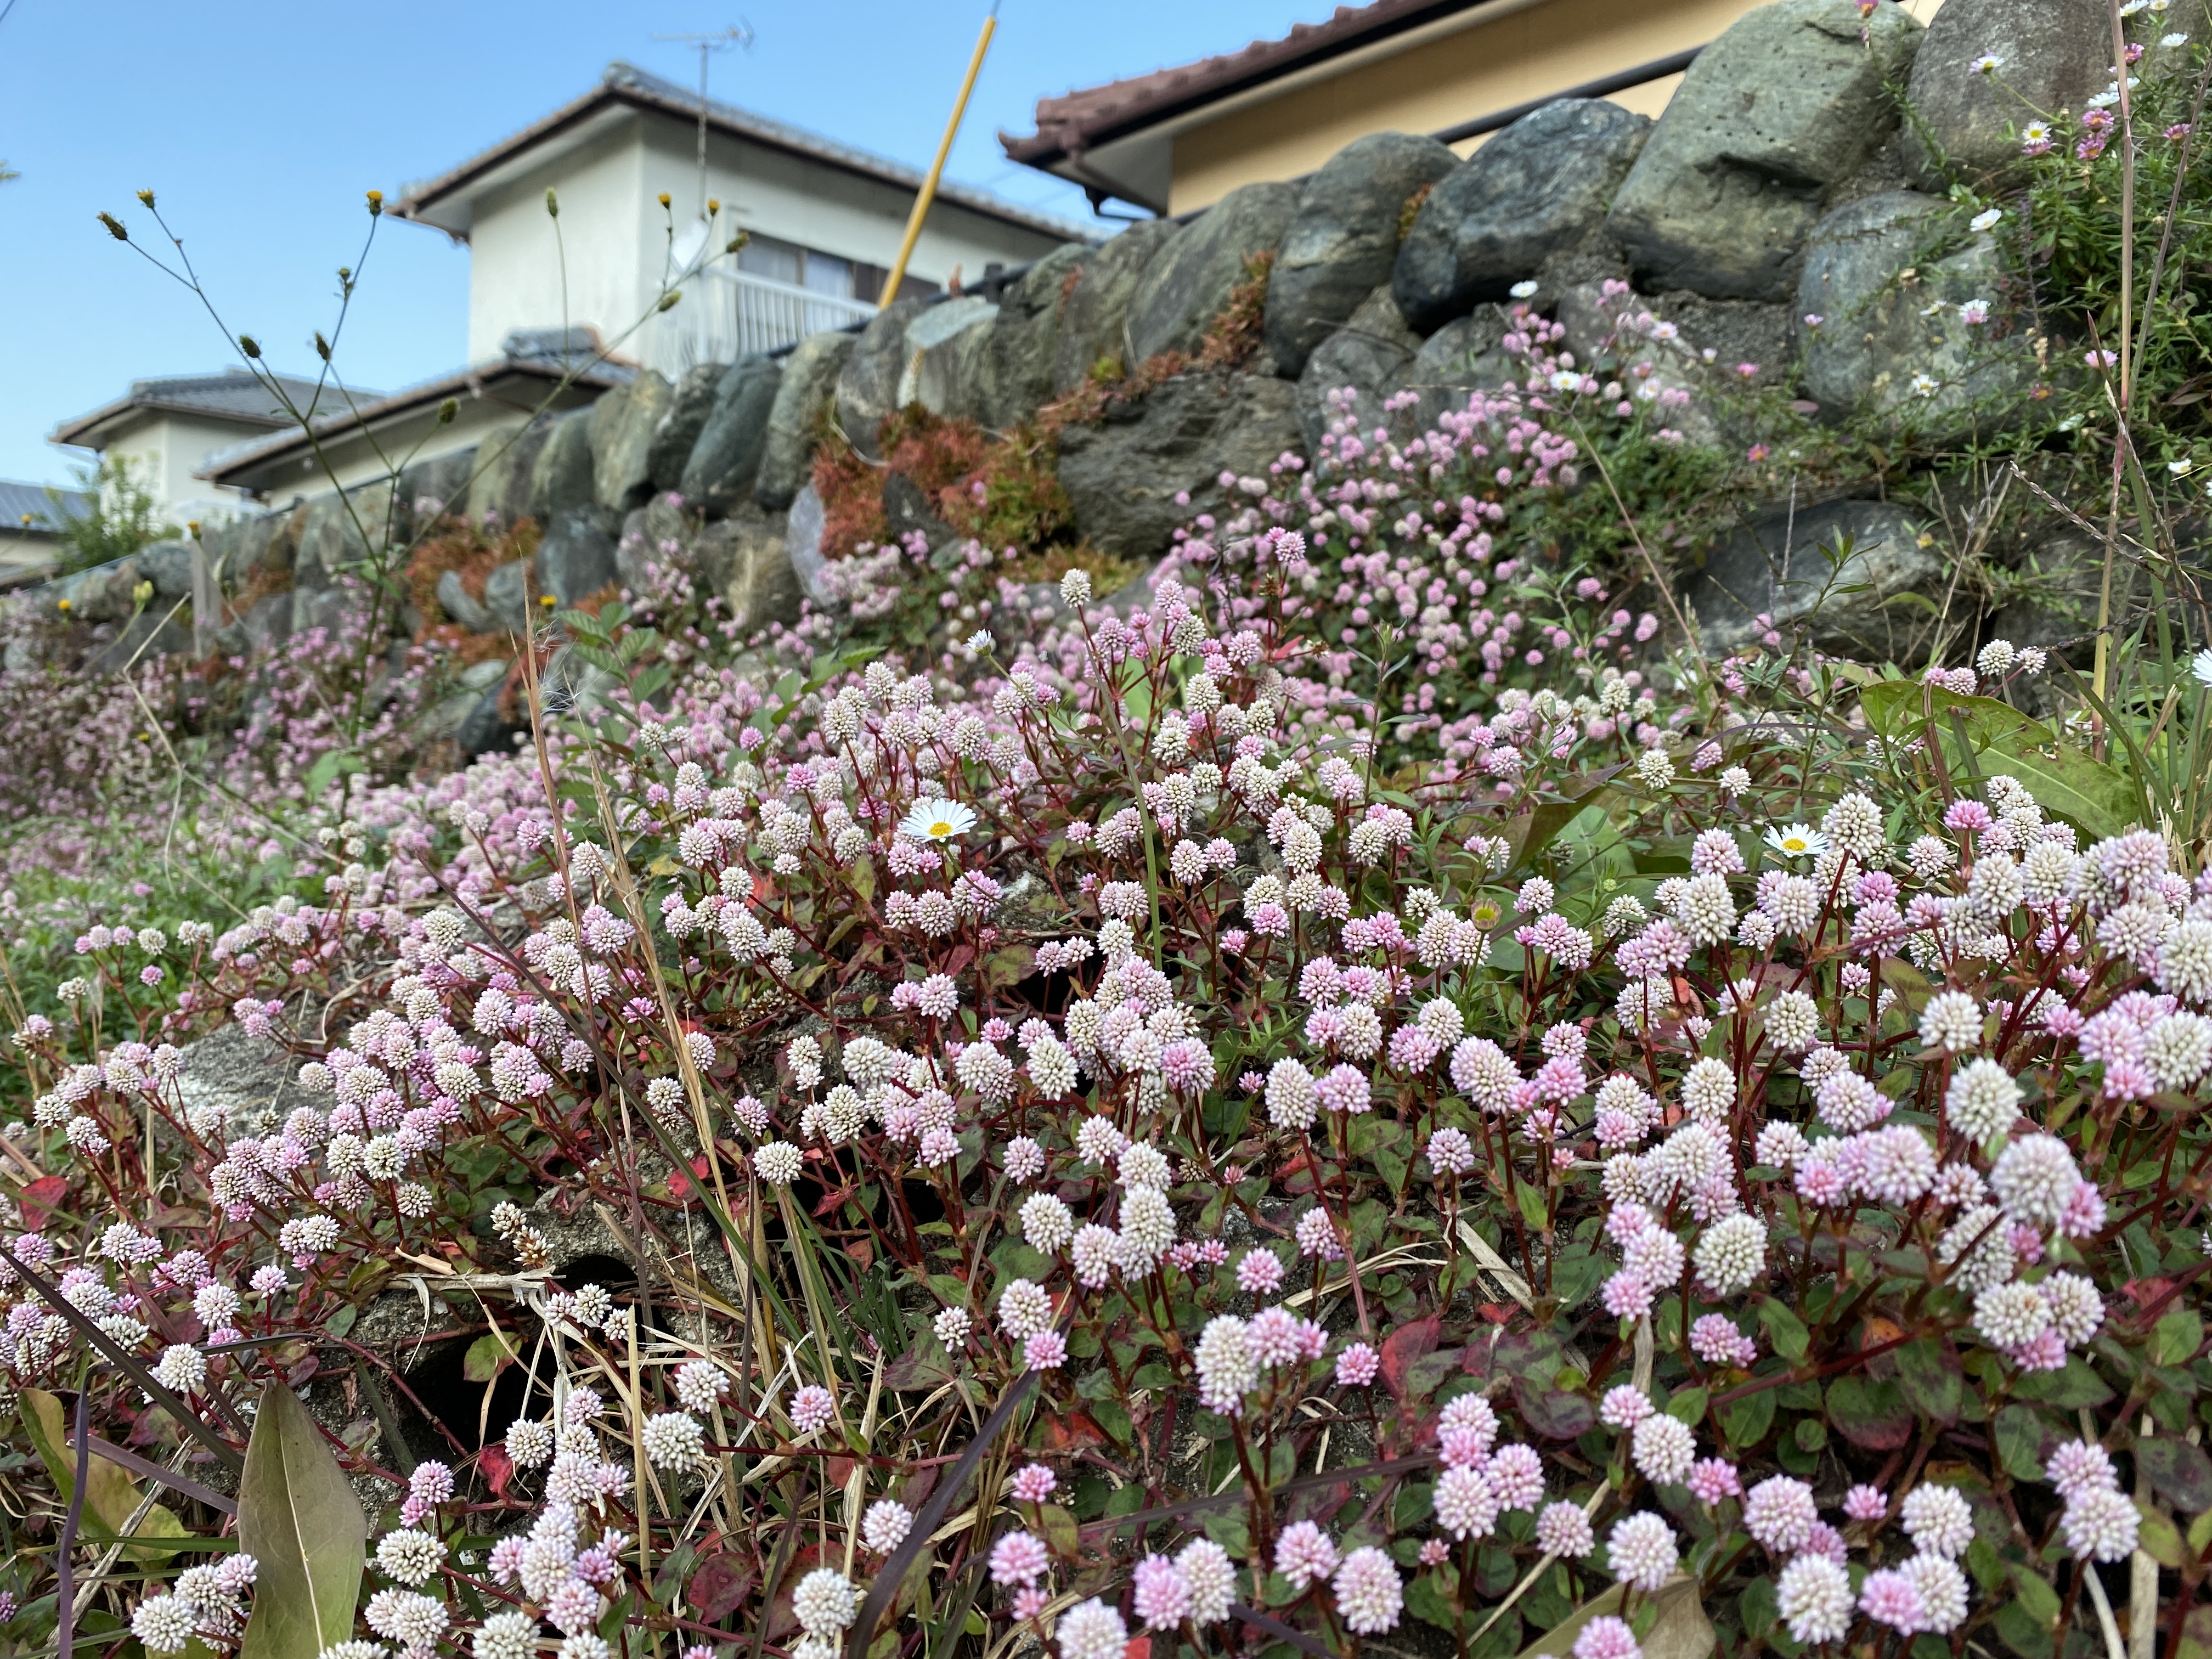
<point>943,148</point>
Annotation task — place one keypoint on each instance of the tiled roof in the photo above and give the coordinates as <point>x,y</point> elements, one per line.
<point>1078,120</point>
<point>625,83</point>
<point>19,501</point>
<point>232,395</point>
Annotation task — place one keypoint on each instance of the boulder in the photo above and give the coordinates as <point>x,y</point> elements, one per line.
<point>1462,357</point>
<point>802,547</point>
<point>1787,103</point>
<point>1017,379</point>
<point>149,635</point>
<point>2052,594</point>
<point>805,393</point>
<point>948,354</point>
<point>688,405</point>
<point>485,729</point>
<point>868,385</point>
<point>262,546</point>
<point>1596,336</point>
<point>2055,53</point>
<point>1784,565</point>
<point>504,465</point>
<point>720,471</point>
<point>561,477</point>
<point>1894,345</point>
<point>1186,284</point>
<point>337,532</point>
<point>506,600</point>
<point>168,566</point>
<point>1535,189</point>
<point>743,559</point>
<point>331,609</point>
<point>240,1085</point>
<point>1094,320</point>
<point>453,599</point>
<point>1344,238</point>
<point>622,426</point>
<point>576,556</point>
<point>1123,474</point>
<point>268,624</point>
<point>1370,355</point>
<point>432,488</point>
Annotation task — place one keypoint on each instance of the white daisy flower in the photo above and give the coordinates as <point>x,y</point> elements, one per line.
<point>1798,841</point>
<point>936,819</point>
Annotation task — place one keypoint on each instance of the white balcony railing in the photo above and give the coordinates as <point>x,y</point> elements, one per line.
<point>725,315</point>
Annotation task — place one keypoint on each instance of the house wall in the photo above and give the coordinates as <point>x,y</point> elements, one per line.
<point>1529,52</point>
<point>516,259</point>
<point>354,460</point>
<point>165,449</point>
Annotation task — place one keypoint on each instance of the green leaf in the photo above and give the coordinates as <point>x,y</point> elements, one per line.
<point>1999,739</point>
<point>1428,1601</point>
<point>1783,1329</point>
<point>2175,1339</point>
<point>2019,1442</point>
<point>2181,1472</point>
<point>2022,1634</point>
<point>298,1518</point>
<point>1932,1378</point>
<point>1870,1413</point>
<point>2073,1386</point>
<point>110,1494</point>
<point>2071,786</point>
<point>1746,1421</point>
<point>2158,1537</point>
<point>486,1355</point>
<point>325,770</point>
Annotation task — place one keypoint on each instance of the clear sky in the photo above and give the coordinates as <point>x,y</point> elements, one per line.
<point>260,126</point>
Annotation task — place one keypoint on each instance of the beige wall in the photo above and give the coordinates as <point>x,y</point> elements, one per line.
<point>1533,51</point>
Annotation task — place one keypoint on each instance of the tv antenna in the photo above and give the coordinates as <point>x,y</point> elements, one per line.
<point>739,34</point>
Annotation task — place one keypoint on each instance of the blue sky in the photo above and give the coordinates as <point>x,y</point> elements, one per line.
<point>259,126</point>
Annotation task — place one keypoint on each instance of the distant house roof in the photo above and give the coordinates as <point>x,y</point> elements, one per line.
<point>447,201</point>
<point>1084,120</point>
<point>234,395</point>
<point>27,506</point>
<point>531,359</point>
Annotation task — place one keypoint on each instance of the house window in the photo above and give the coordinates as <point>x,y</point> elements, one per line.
<point>778,261</point>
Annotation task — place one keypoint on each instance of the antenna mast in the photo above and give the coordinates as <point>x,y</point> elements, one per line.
<point>739,34</point>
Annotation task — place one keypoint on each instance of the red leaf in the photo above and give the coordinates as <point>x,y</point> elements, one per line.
<point>41,1199</point>
<point>496,1467</point>
<point>1403,1347</point>
<point>718,1585</point>
<point>1140,1647</point>
<point>1070,1431</point>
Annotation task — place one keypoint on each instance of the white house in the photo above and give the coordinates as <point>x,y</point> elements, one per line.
<point>167,430</point>
<point>825,221</point>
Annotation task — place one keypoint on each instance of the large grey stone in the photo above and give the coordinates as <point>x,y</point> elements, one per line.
<point>868,385</point>
<point>1122,474</point>
<point>1094,322</point>
<point>502,484</point>
<point>803,398</point>
<point>506,599</point>
<point>1186,284</point>
<point>1838,570</point>
<point>802,547</point>
<point>727,455</point>
<point>435,489</point>
<point>146,636</point>
<point>269,623</point>
<point>338,532</point>
<point>1536,188</point>
<point>485,729</point>
<point>576,556</point>
<point>2056,53</point>
<point>1017,380</point>
<point>743,559</point>
<point>1344,239</point>
<point>455,601</point>
<point>245,1085</point>
<point>1784,104</point>
<point>681,423</point>
<point>2050,591</point>
<point>623,425</point>
<point>1369,356</point>
<point>168,566</point>
<point>1881,331</point>
<point>339,611</point>
<point>948,350</point>
<point>1599,333</point>
<point>561,476</point>
<point>1462,357</point>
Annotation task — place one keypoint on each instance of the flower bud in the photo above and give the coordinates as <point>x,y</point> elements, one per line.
<point>115,227</point>
<point>376,205</point>
<point>249,345</point>
<point>447,410</point>
<point>147,196</point>
<point>552,203</point>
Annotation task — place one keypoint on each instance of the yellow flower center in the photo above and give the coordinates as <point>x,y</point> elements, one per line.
<point>940,827</point>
